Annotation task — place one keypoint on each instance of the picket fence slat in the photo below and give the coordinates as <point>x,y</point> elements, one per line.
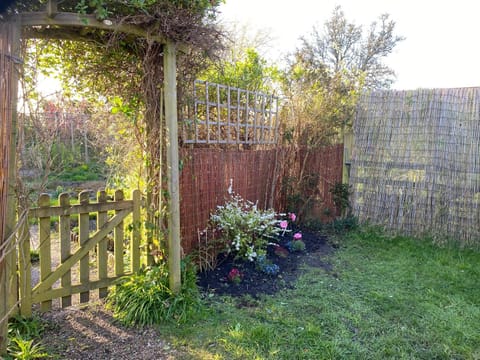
<point>118,237</point>
<point>65,247</point>
<point>78,209</point>
<point>45,247</point>
<point>80,253</point>
<point>25,271</point>
<point>83,232</point>
<point>102,255</point>
<point>136,222</point>
<point>75,289</point>
<point>57,283</point>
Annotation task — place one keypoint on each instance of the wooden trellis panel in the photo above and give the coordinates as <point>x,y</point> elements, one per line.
<point>228,115</point>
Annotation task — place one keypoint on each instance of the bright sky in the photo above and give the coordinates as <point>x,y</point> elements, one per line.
<point>441,48</point>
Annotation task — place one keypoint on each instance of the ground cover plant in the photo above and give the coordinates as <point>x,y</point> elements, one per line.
<point>145,298</point>
<point>24,339</point>
<point>372,296</point>
<point>381,297</point>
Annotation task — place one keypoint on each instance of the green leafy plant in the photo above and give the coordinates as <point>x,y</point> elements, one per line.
<point>23,349</point>
<point>22,335</point>
<point>145,298</point>
<point>244,228</point>
<point>27,328</point>
<point>341,198</point>
<point>344,225</point>
<point>34,256</point>
<point>296,246</point>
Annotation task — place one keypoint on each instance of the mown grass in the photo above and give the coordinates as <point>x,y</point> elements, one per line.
<point>387,297</point>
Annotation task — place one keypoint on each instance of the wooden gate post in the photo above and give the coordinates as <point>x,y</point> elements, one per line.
<point>8,277</point>
<point>347,155</point>
<point>170,75</point>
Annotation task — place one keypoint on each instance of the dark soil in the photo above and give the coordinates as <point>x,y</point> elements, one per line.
<point>92,332</point>
<point>255,282</point>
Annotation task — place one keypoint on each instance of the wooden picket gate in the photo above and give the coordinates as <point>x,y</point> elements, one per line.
<point>58,283</point>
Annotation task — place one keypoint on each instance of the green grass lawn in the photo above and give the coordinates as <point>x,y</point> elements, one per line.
<point>387,297</point>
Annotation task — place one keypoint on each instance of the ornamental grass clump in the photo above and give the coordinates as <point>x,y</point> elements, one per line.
<point>146,299</point>
<point>244,228</point>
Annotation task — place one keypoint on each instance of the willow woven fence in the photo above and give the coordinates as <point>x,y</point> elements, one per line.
<point>416,162</point>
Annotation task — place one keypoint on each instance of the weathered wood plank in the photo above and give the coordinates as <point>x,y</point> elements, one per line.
<point>87,246</point>
<point>170,91</point>
<point>118,237</point>
<point>83,222</point>
<point>75,289</point>
<point>45,247</point>
<point>25,270</point>
<point>66,19</point>
<point>79,208</point>
<point>136,227</point>
<point>8,112</point>
<point>102,255</point>
<point>65,247</point>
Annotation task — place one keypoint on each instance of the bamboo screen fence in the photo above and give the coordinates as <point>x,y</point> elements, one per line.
<point>6,247</point>
<point>416,162</point>
<point>5,122</point>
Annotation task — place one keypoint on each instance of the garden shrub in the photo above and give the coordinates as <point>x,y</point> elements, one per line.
<point>244,228</point>
<point>146,299</point>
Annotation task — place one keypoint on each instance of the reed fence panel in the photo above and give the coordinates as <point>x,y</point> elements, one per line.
<point>416,162</point>
<point>8,89</point>
<point>257,175</point>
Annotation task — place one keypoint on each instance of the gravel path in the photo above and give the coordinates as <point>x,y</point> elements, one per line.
<point>92,333</point>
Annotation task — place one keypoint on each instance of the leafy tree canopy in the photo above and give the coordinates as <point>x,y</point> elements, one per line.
<point>250,71</point>
<point>327,72</point>
<point>343,47</point>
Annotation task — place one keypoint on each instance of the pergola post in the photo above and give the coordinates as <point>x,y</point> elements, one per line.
<point>174,248</point>
<point>8,270</point>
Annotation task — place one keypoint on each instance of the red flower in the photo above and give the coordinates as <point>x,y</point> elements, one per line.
<point>235,275</point>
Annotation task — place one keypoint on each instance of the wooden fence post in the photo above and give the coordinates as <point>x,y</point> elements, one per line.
<point>174,249</point>
<point>83,234</point>
<point>347,155</point>
<point>118,237</point>
<point>8,274</point>
<point>45,247</point>
<point>65,246</point>
<point>102,254</point>
<point>135,242</point>
<point>25,271</point>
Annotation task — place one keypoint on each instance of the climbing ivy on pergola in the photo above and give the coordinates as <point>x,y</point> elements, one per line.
<point>53,24</point>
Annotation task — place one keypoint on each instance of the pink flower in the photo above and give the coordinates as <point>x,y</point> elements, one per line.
<point>283,224</point>
<point>297,236</point>
<point>235,276</point>
<point>292,216</point>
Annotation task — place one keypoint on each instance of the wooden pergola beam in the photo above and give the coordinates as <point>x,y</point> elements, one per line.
<point>65,19</point>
